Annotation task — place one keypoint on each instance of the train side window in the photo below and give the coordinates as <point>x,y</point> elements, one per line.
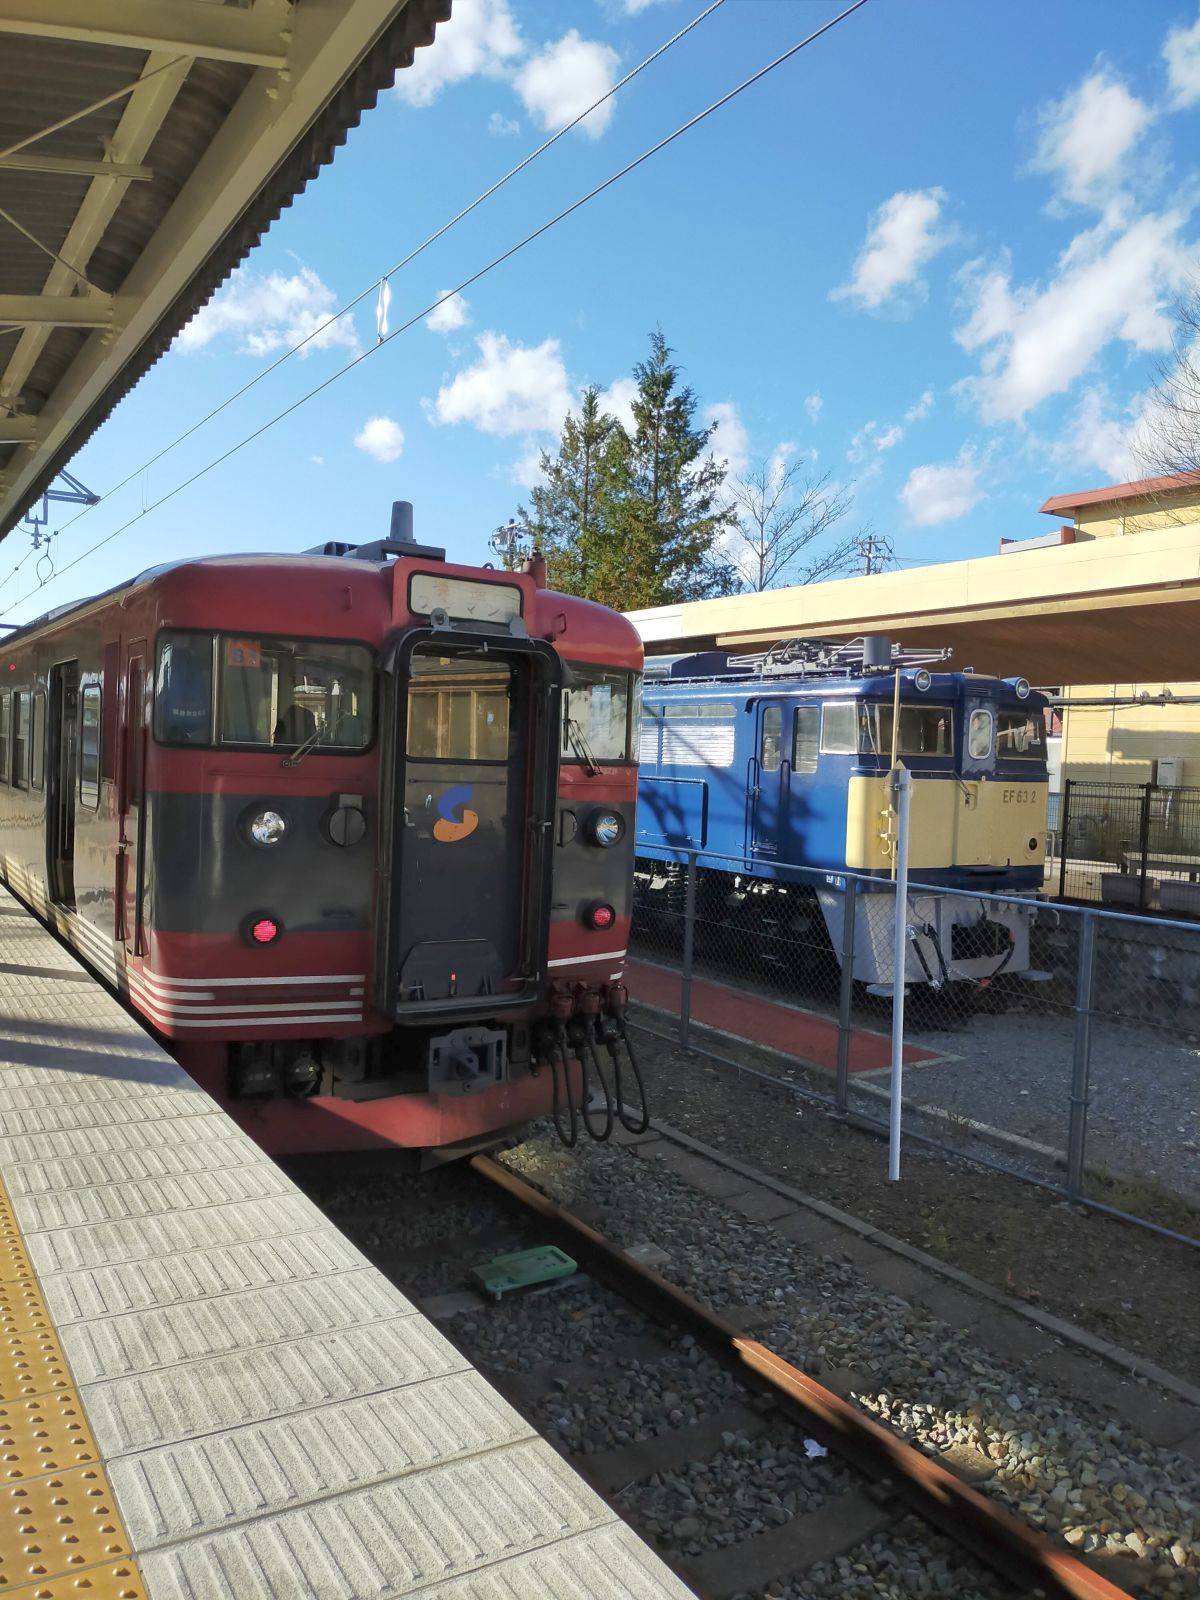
<point>183,689</point>
<point>89,747</point>
<point>20,737</point>
<point>839,728</point>
<point>37,759</point>
<point>5,723</point>
<point>806,736</point>
<point>979,735</point>
<point>771,749</point>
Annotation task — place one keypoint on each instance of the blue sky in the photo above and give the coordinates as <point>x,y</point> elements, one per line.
<point>933,254</point>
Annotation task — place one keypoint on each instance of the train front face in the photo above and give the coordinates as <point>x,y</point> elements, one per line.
<point>409,866</point>
<point>976,751</point>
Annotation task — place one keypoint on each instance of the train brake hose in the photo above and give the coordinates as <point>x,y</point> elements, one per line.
<point>630,1124</point>
<point>559,1058</point>
<point>604,1130</point>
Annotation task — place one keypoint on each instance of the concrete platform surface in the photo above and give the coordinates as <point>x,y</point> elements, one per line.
<point>205,1390</point>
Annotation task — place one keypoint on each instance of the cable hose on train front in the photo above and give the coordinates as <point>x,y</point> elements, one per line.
<point>588,1046</point>
<point>627,1122</point>
<point>560,1058</point>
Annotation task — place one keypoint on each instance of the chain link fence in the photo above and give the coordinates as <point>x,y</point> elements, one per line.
<point>1128,845</point>
<point>1057,1043</point>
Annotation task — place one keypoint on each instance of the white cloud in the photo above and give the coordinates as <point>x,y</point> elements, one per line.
<point>1182,55</point>
<point>480,39</point>
<point>730,443</point>
<point>1036,342</point>
<point>633,7</point>
<point>617,401</point>
<point>269,312</point>
<point>1087,136</point>
<point>512,388</point>
<point>941,494</point>
<point>381,438</point>
<point>451,315</point>
<point>527,468</point>
<point>902,238</point>
<point>813,405</point>
<point>501,127</point>
<point>889,437</point>
<point>922,408</point>
<point>317,461</point>
<point>1115,445</point>
<point>564,79</point>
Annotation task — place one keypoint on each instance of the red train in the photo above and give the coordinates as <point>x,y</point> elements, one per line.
<point>353,830</point>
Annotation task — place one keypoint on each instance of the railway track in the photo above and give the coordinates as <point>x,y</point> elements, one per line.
<point>687,1403</point>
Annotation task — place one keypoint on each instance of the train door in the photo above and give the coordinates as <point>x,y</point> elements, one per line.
<point>131,838</point>
<point>471,825</point>
<point>62,767</point>
<point>770,784</point>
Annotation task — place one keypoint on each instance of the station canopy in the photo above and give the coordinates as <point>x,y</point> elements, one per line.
<point>145,147</point>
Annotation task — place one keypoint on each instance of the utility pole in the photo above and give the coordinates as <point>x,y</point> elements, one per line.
<point>875,553</point>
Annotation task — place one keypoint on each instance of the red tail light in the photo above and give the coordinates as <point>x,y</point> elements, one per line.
<point>264,930</point>
<point>601,917</point>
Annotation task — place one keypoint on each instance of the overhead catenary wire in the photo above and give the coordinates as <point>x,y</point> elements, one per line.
<point>384,278</point>
<point>466,283</point>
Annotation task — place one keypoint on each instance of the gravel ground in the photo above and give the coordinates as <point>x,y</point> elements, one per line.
<point>649,1398</point>
<point>1062,1463</point>
<point>905,1561</point>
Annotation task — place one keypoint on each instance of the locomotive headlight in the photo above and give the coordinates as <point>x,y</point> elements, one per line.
<point>921,680</point>
<point>605,828</point>
<point>1021,688</point>
<point>268,828</point>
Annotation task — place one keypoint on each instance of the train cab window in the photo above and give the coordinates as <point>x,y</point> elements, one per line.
<point>806,737</point>
<point>89,746</point>
<point>925,730</point>
<point>295,693</point>
<point>458,708</point>
<point>38,750</point>
<point>1020,736</point>
<point>183,689</point>
<point>5,724</point>
<point>839,727</point>
<point>596,715</point>
<point>979,735</point>
<point>20,737</point>
<point>771,745</point>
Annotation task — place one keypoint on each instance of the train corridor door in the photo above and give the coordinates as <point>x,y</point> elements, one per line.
<point>131,841</point>
<point>62,767</point>
<point>464,842</point>
<point>769,788</point>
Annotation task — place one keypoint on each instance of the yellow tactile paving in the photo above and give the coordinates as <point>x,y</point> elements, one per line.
<point>61,1537</point>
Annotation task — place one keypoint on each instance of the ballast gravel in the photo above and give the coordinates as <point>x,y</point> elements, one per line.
<point>649,1398</point>
<point>1062,1464</point>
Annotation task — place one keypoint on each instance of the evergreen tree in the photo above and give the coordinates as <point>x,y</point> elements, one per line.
<point>568,519</point>
<point>664,524</point>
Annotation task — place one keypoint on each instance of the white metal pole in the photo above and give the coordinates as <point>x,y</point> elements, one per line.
<point>902,782</point>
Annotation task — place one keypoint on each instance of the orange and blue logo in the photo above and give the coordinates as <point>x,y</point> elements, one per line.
<point>449,829</point>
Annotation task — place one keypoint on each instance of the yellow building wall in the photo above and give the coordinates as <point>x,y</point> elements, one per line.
<point>1120,743</point>
<point>1116,518</point>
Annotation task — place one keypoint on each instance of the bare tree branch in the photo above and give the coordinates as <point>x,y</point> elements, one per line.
<point>782,513</point>
<point>1168,441</point>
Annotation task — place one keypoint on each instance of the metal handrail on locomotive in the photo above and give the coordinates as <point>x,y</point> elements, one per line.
<point>773,769</point>
<point>351,829</point>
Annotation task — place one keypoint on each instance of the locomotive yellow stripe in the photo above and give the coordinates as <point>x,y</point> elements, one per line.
<point>60,1532</point>
<point>952,823</point>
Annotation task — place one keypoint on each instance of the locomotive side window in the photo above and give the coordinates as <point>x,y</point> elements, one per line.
<point>39,739</point>
<point>596,715</point>
<point>979,735</point>
<point>806,737</point>
<point>183,689</point>
<point>289,693</point>
<point>458,708</point>
<point>771,750</point>
<point>20,731</point>
<point>1019,736</point>
<point>839,728</point>
<point>89,746</point>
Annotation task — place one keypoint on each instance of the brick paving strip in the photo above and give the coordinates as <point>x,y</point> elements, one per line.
<point>1009,1328</point>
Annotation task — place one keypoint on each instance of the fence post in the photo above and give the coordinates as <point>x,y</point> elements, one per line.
<point>846,994</point>
<point>689,936</point>
<point>1064,818</point>
<point>1144,842</point>
<point>1081,1066</point>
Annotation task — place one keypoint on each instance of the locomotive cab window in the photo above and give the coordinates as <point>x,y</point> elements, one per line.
<point>183,689</point>
<point>38,754</point>
<point>839,728</point>
<point>596,719</point>
<point>20,740</point>
<point>1020,736</point>
<point>294,693</point>
<point>771,748</point>
<point>89,746</point>
<point>459,708</point>
<point>806,737</point>
<point>979,735</point>
<point>924,730</point>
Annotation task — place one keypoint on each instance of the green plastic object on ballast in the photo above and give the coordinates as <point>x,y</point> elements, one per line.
<point>522,1269</point>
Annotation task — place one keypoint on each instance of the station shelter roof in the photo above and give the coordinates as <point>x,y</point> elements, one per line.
<point>145,147</point>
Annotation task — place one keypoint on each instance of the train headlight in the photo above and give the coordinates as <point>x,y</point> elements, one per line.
<point>605,828</point>
<point>268,828</point>
<point>921,680</point>
<point>1021,688</point>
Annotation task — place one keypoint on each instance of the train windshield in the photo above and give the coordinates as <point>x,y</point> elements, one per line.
<point>596,715</point>
<point>925,730</point>
<point>271,693</point>
<point>1020,736</point>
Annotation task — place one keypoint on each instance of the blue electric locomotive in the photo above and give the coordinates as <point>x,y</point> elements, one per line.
<point>774,769</point>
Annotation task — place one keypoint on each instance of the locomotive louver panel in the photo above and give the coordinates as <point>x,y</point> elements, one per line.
<point>648,746</point>
<point>698,745</point>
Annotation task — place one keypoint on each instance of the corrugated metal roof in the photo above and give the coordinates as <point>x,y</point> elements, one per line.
<point>214,117</point>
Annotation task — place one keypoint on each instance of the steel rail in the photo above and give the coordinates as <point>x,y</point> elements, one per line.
<point>983,1528</point>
